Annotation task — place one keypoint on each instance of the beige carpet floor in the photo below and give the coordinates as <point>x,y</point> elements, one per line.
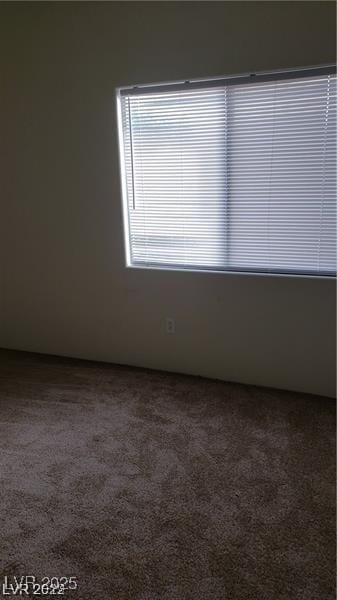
<point>154,486</point>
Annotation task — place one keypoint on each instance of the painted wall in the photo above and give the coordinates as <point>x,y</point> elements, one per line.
<point>66,289</point>
<point>4,180</point>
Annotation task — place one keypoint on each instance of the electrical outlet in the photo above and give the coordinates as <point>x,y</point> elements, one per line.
<point>170,325</point>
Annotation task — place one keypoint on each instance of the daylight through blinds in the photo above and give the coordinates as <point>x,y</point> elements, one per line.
<point>234,177</point>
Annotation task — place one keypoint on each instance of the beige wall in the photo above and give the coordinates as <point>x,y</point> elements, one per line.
<point>66,290</point>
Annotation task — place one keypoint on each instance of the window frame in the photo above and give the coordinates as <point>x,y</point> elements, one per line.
<point>190,84</point>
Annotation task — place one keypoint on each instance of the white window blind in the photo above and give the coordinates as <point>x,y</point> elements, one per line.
<point>233,175</point>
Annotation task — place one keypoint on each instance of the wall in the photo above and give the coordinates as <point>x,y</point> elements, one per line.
<point>4,192</point>
<point>66,288</point>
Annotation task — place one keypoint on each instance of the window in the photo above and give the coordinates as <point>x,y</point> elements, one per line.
<point>235,174</point>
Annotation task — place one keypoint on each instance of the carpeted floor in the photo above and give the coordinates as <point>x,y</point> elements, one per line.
<point>155,486</point>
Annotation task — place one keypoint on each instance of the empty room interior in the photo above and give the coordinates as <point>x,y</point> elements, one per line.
<point>168,300</point>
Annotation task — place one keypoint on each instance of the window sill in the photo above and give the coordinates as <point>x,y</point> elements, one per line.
<point>234,273</point>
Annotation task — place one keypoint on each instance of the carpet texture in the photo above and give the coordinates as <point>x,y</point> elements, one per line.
<point>154,486</point>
